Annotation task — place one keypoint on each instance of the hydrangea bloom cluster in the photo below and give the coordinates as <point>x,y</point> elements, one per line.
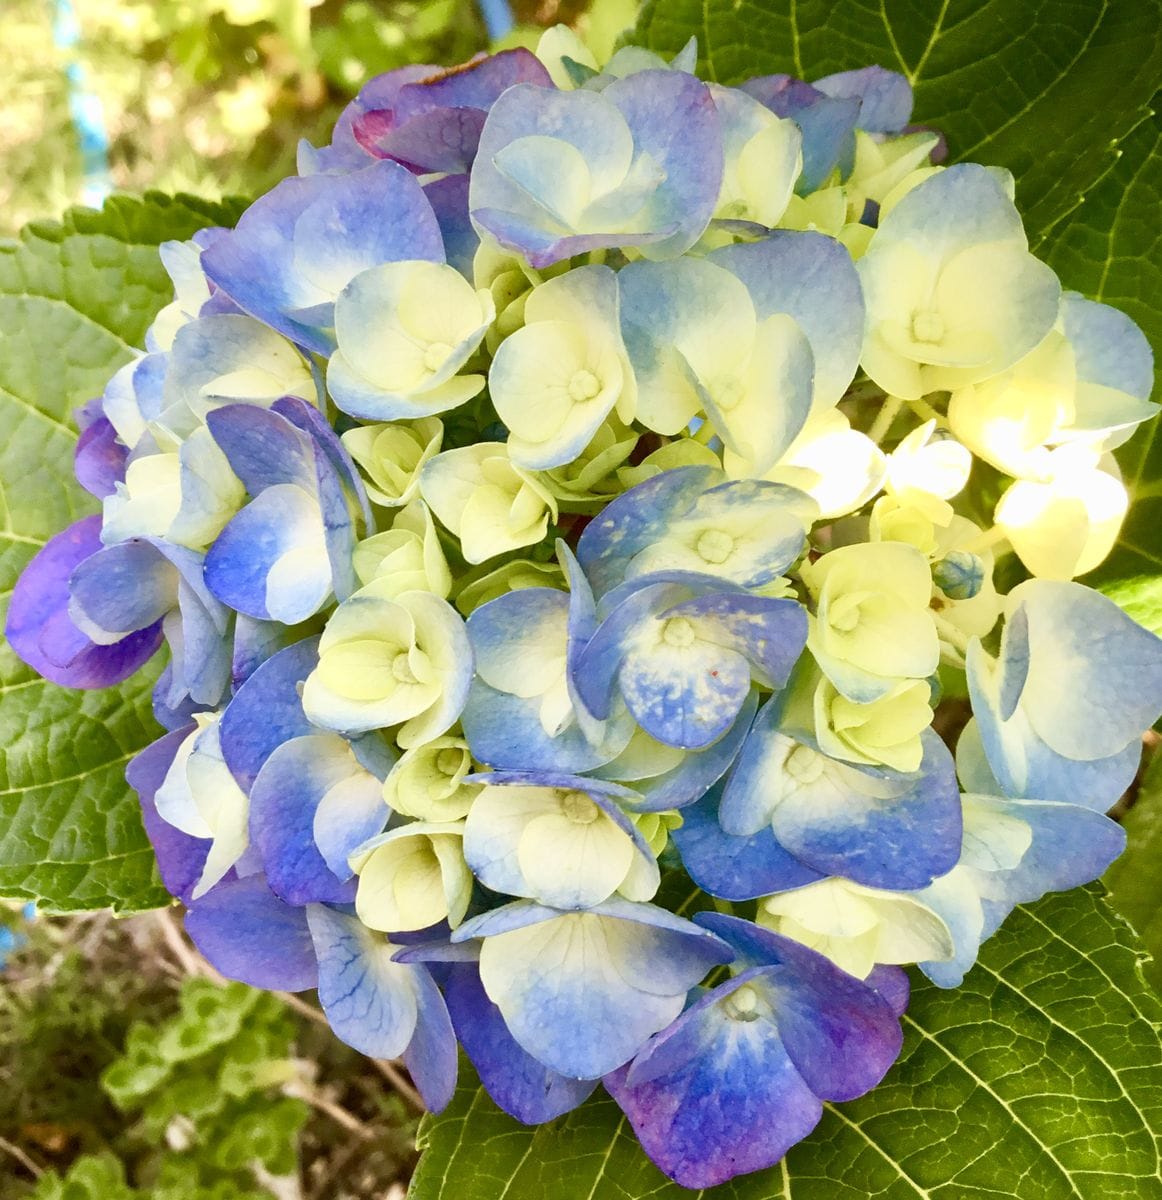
<point>564,503</point>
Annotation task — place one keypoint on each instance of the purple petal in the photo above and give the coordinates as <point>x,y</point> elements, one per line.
<point>180,858</point>
<point>99,459</point>
<point>841,1034</point>
<point>39,629</point>
<point>725,1098</point>
<point>248,934</point>
<point>449,200</point>
<point>891,983</point>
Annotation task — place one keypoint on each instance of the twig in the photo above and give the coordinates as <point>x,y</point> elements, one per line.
<point>191,962</point>
<point>394,1076</point>
<point>23,1159</point>
<point>336,1112</point>
<point>884,418</point>
<point>303,1008</point>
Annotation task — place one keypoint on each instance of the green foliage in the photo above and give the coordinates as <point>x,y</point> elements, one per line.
<point>1040,1077</point>
<point>75,299</point>
<point>205,1084</point>
<point>1043,88</point>
<point>1111,249</point>
<point>1135,881</point>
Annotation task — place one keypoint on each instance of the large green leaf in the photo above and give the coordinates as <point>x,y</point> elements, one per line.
<point>1111,249</point>
<point>1043,87</point>
<point>1041,1077</point>
<point>1135,879</point>
<point>75,299</point>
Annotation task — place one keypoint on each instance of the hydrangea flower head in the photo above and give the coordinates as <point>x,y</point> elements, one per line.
<point>584,477</point>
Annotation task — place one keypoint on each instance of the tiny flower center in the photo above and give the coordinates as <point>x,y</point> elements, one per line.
<point>436,355</point>
<point>927,326</point>
<point>714,546</point>
<point>401,668</point>
<point>804,765</point>
<point>579,808</point>
<point>844,613</point>
<point>743,1004</point>
<point>448,761</point>
<point>677,631</point>
<point>583,386</point>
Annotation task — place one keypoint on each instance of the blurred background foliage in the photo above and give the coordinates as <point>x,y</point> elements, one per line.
<point>129,1072</point>
<point>212,96</point>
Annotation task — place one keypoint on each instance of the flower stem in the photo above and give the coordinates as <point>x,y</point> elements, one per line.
<point>884,418</point>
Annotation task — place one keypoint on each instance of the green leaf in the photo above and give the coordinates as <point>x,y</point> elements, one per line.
<point>1111,249</point>
<point>1040,1077</point>
<point>75,300</point>
<point>1044,88</point>
<point>1134,880</point>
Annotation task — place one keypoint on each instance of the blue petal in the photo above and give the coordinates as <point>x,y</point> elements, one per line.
<point>121,589</point>
<point>516,207</point>
<point>1081,742</point>
<point>267,711</point>
<point>876,826</point>
<point>635,520</point>
<point>505,731</point>
<point>770,633</point>
<point>1115,669</point>
<point>684,699</point>
<point>1071,846</point>
<point>328,447</point>
<point>1108,348</point>
<point>296,247</point>
<point>811,278</point>
<point>262,447</point>
<point>698,771</point>
<point>307,786</point>
<point>828,124</point>
<point>582,992</point>
<point>281,520</point>
<point>525,1088</point>
<point>431,1054</point>
<point>735,868</point>
<point>248,934</point>
<point>370,1001</point>
<point>255,641</point>
<point>885,97</point>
